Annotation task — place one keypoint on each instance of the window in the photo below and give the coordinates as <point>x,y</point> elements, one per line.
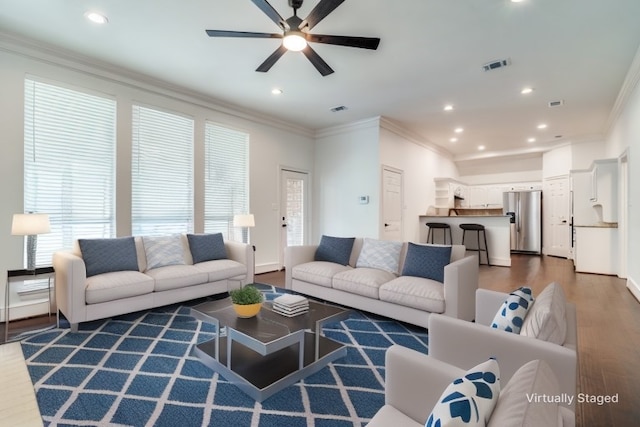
<point>162,173</point>
<point>69,164</point>
<point>226,180</point>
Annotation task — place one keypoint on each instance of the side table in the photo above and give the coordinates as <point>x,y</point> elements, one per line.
<point>21,276</point>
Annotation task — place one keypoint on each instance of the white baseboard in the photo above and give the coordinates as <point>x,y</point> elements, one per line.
<point>267,268</point>
<point>633,286</point>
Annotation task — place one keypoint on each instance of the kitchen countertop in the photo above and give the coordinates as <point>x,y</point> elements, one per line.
<point>598,225</point>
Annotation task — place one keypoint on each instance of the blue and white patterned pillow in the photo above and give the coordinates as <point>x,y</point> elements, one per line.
<point>334,249</point>
<point>107,255</point>
<point>207,247</point>
<point>380,254</point>
<point>511,315</point>
<point>163,250</point>
<point>426,261</point>
<point>469,400</point>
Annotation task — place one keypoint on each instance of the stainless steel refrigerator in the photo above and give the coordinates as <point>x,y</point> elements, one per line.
<point>525,210</point>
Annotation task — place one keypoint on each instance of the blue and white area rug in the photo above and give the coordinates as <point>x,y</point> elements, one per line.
<point>136,370</point>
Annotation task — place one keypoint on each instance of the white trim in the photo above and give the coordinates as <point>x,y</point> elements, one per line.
<point>267,268</point>
<point>372,122</point>
<point>628,86</point>
<point>402,132</point>
<point>634,288</point>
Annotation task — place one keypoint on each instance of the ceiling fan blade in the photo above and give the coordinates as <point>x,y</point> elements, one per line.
<point>268,10</point>
<point>361,42</point>
<point>246,34</point>
<point>268,63</point>
<point>319,12</point>
<point>317,62</point>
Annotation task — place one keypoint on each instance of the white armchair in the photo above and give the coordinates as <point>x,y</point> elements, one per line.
<point>465,344</point>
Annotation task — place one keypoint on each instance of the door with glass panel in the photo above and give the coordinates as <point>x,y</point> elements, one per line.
<point>294,209</point>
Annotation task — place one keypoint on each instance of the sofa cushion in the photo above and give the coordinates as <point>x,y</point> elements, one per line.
<point>318,272</point>
<point>207,247</point>
<point>163,250</point>
<point>362,281</point>
<point>515,406</point>
<point>469,400</point>
<point>513,311</point>
<point>390,416</point>
<point>334,249</point>
<point>221,269</point>
<point>546,320</point>
<point>176,276</point>
<point>380,254</point>
<point>426,261</point>
<point>415,292</point>
<point>117,285</point>
<point>107,255</point>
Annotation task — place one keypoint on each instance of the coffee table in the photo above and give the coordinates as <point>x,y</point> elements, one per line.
<point>269,352</point>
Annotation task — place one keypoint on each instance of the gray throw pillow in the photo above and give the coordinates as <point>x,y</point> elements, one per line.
<point>335,249</point>
<point>426,261</point>
<point>207,247</point>
<point>107,255</point>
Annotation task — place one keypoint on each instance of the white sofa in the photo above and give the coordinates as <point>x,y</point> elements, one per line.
<point>466,344</point>
<point>82,299</point>
<point>405,298</point>
<point>414,383</point>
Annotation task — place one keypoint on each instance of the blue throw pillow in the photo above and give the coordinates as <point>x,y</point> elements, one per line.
<point>107,255</point>
<point>335,249</point>
<point>469,400</point>
<point>511,315</point>
<point>207,247</point>
<point>426,261</point>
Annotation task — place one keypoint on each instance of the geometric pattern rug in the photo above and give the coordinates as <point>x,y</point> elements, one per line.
<point>137,370</point>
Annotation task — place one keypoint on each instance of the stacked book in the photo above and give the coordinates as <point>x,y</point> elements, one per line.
<point>290,305</point>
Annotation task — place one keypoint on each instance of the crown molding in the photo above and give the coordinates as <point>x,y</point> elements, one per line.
<point>372,122</point>
<point>628,86</point>
<point>413,137</point>
<point>56,56</point>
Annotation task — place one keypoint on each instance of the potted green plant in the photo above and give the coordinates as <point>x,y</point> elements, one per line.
<point>246,301</point>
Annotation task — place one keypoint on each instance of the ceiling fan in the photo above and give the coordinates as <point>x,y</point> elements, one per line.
<point>295,34</point>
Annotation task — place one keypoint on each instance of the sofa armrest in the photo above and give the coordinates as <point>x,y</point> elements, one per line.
<point>460,285</point>
<point>295,255</point>
<point>465,344</point>
<point>414,381</point>
<point>244,254</point>
<point>70,285</point>
<point>487,305</point>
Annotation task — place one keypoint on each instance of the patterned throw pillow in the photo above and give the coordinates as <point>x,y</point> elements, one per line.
<point>380,254</point>
<point>335,249</point>
<point>207,247</point>
<point>513,311</point>
<point>163,250</point>
<point>107,255</point>
<point>426,261</point>
<point>470,400</point>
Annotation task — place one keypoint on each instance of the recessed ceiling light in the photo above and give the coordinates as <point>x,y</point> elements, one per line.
<point>517,1</point>
<point>481,147</point>
<point>542,126</point>
<point>458,130</point>
<point>526,90</point>
<point>453,140</point>
<point>96,17</point>
<point>276,91</point>
<point>531,140</point>
<point>448,107</point>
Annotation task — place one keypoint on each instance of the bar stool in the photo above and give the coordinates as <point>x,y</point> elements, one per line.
<point>477,228</point>
<point>439,226</point>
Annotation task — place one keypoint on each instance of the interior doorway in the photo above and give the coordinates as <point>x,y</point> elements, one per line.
<point>294,209</point>
<point>392,202</point>
<point>557,217</point>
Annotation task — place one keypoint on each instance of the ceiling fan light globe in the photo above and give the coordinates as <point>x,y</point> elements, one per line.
<point>294,41</point>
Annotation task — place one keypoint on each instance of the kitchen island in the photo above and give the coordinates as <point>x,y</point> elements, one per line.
<point>497,228</point>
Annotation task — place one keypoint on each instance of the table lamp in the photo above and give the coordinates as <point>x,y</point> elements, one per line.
<point>30,225</point>
<point>244,221</point>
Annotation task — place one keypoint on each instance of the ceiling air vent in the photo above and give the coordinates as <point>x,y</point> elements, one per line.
<point>339,108</point>
<point>494,65</point>
<point>558,103</point>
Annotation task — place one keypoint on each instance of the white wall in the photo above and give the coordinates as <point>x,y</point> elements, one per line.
<point>347,165</point>
<point>557,162</point>
<point>270,145</point>
<point>512,169</point>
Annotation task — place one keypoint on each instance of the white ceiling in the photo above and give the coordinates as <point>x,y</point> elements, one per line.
<point>431,54</point>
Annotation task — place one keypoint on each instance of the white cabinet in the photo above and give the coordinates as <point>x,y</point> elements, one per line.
<point>446,191</point>
<point>596,250</point>
<point>604,188</point>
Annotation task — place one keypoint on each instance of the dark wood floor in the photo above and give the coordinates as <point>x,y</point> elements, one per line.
<point>608,331</point>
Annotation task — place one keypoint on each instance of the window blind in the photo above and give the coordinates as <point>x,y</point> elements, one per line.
<point>162,173</point>
<point>69,164</point>
<point>226,180</point>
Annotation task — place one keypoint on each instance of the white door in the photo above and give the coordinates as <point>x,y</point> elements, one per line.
<point>557,216</point>
<point>392,190</point>
<point>294,209</point>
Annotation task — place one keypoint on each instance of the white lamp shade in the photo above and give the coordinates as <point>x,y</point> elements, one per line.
<point>245,220</point>
<point>30,224</point>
